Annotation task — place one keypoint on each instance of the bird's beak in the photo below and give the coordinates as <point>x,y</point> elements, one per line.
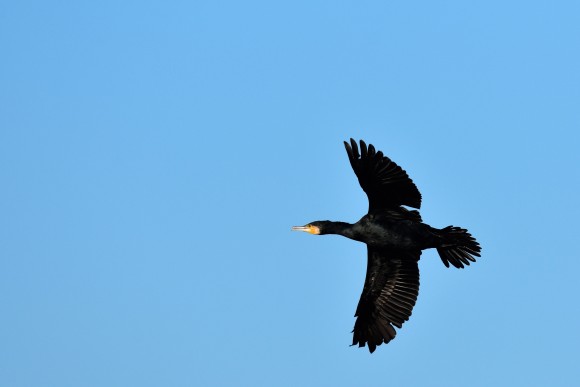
<point>309,229</point>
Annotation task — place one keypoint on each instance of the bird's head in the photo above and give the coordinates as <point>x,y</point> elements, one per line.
<point>315,228</point>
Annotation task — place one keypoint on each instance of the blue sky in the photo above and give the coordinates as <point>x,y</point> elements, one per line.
<point>155,154</point>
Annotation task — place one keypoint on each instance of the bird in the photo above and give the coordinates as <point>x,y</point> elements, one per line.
<point>395,237</point>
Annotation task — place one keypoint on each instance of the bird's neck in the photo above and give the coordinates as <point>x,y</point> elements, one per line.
<point>340,228</point>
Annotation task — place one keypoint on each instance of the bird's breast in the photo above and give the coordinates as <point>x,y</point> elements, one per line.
<point>392,235</point>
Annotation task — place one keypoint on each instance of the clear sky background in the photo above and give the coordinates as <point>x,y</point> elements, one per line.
<point>154,155</point>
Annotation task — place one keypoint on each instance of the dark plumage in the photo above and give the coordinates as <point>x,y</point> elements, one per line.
<point>395,237</point>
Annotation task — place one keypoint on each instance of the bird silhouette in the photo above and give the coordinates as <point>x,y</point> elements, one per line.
<point>395,237</point>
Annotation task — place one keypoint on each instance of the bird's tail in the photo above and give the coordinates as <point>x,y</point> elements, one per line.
<point>457,247</point>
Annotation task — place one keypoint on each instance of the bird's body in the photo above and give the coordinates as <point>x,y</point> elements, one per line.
<point>382,230</point>
<point>395,237</point>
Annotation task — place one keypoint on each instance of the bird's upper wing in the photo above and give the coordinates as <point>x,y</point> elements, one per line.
<point>390,292</point>
<point>387,185</point>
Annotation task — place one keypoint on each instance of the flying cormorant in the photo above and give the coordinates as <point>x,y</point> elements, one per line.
<point>394,237</point>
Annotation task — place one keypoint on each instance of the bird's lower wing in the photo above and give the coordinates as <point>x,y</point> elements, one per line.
<point>389,295</point>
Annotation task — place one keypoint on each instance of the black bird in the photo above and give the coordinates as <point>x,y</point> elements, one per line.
<point>394,237</point>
